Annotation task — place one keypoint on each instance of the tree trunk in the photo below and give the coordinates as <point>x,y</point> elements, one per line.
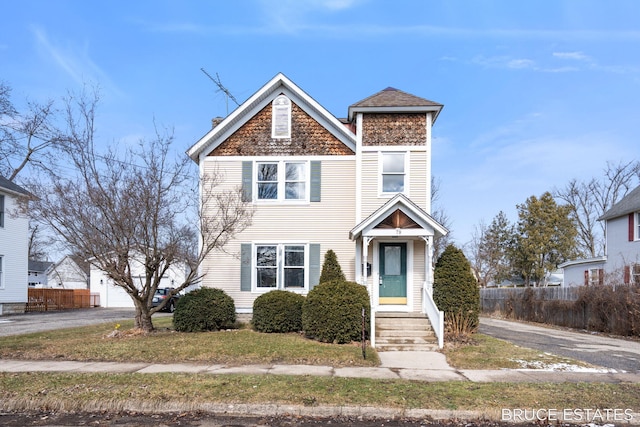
<point>143,318</point>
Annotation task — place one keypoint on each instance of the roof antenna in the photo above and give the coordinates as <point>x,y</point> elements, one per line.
<point>221,88</point>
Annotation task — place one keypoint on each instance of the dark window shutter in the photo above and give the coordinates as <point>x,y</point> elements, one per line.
<point>315,184</point>
<point>601,276</point>
<point>314,264</point>
<point>627,275</point>
<point>631,229</point>
<point>586,277</point>
<point>247,181</point>
<point>245,267</point>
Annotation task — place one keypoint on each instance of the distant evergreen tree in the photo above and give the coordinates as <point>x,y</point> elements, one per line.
<point>331,269</point>
<point>455,291</point>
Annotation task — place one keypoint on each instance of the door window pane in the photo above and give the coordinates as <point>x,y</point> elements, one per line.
<point>392,261</point>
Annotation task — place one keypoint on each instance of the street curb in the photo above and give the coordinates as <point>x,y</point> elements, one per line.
<point>245,409</point>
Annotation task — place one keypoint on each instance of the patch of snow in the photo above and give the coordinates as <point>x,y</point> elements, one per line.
<point>538,365</point>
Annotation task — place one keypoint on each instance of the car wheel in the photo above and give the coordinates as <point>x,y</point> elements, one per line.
<point>172,307</point>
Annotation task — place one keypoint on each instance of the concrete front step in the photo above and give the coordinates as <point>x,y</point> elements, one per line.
<point>404,332</point>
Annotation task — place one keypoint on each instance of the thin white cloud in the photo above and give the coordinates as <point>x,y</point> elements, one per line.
<point>74,61</point>
<point>578,56</point>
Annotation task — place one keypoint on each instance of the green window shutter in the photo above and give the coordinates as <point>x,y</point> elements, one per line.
<point>247,181</point>
<point>245,267</point>
<point>316,178</point>
<point>314,264</point>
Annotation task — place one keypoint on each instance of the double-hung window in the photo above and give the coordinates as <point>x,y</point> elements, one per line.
<point>282,180</point>
<point>393,173</point>
<point>635,274</point>
<point>281,266</point>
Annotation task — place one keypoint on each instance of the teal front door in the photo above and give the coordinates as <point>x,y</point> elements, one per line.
<point>393,273</point>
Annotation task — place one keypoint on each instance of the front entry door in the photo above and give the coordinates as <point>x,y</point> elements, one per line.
<point>393,273</point>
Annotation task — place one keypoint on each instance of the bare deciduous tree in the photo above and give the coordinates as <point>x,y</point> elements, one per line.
<point>590,200</point>
<point>439,214</point>
<point>139,207</point>
<point>27,137</point>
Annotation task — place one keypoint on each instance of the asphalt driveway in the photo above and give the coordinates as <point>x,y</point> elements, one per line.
<point>17,324</point>
<point>597,349</point>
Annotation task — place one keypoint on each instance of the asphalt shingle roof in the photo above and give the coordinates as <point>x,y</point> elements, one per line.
<point>628,204</point>
<point>11,186</point>
<point>392,97</point>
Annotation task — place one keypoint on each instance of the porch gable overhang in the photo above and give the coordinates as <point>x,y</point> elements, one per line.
<point>427,225</point>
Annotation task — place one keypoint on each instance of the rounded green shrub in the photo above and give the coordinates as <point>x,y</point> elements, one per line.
<point>205,309</point>
<point>332,312</point>
<point>456,292</point>
<point>278,311</point>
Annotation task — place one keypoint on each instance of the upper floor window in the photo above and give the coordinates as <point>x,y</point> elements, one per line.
<point>282,180</point>
<point>393,174</point>
<point>1,210</point>
<point>637,225</point>
<point>281,117</point>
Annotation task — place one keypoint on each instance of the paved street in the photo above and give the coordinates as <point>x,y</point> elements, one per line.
<point>18,324</point>
<point>597,349</point>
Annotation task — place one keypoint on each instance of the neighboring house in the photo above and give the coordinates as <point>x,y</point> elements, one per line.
<point>621,262</point>
<point>71,272</point>
<point>360,186</point>
<point>14,248</point>
<point>37,276</point>
<point>112,296</point>
<point>581,272</point>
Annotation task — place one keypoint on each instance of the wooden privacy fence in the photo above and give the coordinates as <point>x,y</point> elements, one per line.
<point>495,299</point>
<point>46,299</point>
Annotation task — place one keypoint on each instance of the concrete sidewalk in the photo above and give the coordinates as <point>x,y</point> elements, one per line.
<point>412,365</point>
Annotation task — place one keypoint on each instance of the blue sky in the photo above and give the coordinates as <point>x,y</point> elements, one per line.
<point>535,92</point>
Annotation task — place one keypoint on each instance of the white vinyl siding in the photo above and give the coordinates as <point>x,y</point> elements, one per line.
<point>14,250</point>
<point>327,222</point>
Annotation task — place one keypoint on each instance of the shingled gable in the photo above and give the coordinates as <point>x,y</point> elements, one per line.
<point>628,204</point>
<point>280,84</point>
<point>408,208</point>
<point>392,100</point>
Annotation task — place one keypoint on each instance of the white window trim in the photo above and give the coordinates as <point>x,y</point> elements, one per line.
<point>636,225</point>
<point>594,276</point>
<point>1,271</point>
<point>275,107</point>
<point>635,277</point>
<point>279,266</point>
<point>381,154</point>
<point>282,181</point>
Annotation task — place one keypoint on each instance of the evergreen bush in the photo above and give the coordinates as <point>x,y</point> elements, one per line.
<point>331,269</point>
<point>332,312</point>
<point>205,309</point>
<point>455,291</point>
<point>278,311</point>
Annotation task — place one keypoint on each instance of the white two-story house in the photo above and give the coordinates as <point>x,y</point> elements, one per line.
<point>621,262</point>
<point>14,248</point>
<point>360,186</point>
